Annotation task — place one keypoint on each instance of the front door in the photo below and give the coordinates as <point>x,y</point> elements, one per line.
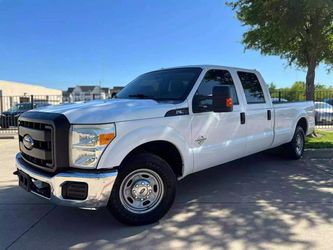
<point>216,137</point>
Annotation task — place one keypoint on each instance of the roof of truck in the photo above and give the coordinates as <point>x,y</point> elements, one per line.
<point>208,66</point>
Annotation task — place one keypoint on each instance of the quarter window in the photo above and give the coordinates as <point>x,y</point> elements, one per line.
<point>252,89</point>
<point>202,100</point>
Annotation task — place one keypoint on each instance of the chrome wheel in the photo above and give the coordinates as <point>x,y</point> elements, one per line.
<point>299,144</point>
<point>141,191</point>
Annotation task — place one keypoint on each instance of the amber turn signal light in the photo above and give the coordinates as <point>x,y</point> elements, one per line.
<point>106,138</point>
<point>229,102</point>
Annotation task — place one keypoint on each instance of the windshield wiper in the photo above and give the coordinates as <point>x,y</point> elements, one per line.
<point>141,96</point>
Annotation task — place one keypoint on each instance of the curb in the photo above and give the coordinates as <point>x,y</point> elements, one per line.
<point>318,153</point>
<point>6,137</point>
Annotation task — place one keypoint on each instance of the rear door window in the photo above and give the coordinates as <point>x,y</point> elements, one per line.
<point>252,88</point>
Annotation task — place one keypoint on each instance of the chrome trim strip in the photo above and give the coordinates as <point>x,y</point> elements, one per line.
<point>37,153</point>
<point>36,134</point>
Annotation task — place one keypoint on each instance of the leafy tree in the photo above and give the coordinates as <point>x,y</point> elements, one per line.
<point>297,92</point>
<point>323,87</point>
<point>300,31</point>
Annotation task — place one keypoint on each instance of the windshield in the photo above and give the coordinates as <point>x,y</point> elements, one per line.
<point>19,107</point>
<point>162,85</point>
<point>323,105</point>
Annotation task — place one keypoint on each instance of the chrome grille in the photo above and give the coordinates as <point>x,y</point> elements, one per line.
<point>41,154</point>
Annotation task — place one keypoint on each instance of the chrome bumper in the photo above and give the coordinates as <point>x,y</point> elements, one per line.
<point>99,185</point>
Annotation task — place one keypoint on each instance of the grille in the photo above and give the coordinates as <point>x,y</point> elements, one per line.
<point>41,154</point>
<point>33,125</point>
<point>36,161</point>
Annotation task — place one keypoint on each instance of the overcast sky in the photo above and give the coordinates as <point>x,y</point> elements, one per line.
<point>64,43</point>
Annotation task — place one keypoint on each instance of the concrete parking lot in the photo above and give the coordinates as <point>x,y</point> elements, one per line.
<point>259,202</point>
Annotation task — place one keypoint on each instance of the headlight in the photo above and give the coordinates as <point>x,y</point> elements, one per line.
<point>87,143</point>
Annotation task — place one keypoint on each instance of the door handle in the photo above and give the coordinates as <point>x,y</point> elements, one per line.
<point>269,115</point>
<point>242,118</point>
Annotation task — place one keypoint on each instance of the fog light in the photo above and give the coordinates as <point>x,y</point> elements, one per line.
<point>74,190</point>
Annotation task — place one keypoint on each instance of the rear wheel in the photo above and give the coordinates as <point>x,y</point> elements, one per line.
<point>295,148</point>
<point>144,190</point>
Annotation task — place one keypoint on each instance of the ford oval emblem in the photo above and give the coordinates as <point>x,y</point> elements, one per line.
<point>28,142</point>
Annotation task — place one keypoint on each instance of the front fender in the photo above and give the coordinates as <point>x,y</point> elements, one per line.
<point>118,149</point>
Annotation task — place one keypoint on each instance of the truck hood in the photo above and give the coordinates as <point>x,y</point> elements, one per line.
<point>106,111</point>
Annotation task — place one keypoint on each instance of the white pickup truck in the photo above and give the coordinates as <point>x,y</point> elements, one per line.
<point>127,153</point>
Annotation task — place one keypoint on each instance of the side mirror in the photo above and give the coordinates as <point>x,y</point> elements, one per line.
<point>222,99</point>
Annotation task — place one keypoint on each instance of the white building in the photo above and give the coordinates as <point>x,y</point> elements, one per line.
<point>88,92</point>
<point>12,93</point>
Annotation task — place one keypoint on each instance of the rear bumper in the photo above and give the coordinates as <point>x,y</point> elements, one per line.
<point>99,185</point>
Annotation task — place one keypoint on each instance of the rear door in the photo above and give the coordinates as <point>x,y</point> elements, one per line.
<point>258,115</point>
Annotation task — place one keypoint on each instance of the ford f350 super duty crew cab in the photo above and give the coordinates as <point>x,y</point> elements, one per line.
<point>127,153</point>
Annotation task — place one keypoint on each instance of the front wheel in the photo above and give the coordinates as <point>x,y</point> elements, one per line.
<point>144,190</point>
<point>4,123</point>
<point>295,148</point>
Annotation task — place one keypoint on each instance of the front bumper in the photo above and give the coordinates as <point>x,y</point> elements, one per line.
<point>325,118</point>
<point>99,185</point>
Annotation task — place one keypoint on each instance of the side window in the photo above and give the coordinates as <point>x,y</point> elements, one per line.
<point>202,100</point>
<point>252,89</point>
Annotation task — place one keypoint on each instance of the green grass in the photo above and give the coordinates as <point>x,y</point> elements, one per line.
<point>324,139</point>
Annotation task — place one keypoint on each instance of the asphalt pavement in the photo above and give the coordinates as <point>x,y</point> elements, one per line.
<point>259,202</point>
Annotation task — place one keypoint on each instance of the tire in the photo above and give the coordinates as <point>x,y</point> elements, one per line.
<point>295,148</point>
<point>4,124</point>
<point>144,190</point>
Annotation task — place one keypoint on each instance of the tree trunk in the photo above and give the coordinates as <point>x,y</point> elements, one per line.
<point>310,78</point>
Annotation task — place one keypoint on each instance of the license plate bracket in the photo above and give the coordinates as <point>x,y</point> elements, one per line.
<point>24,181</point>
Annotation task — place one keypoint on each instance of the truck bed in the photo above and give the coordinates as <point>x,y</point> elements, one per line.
<point>286,116</point>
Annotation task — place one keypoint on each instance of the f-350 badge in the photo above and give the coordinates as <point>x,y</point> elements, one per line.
<point>201,140</point>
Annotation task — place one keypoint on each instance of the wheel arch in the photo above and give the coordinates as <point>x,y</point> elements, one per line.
<point>164,149</point>
<point>303,123</point>
<point>162,141</point>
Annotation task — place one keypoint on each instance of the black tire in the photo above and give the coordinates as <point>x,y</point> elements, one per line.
<point>295,148</point>
<point>137,163</point>
<point>4,124</point>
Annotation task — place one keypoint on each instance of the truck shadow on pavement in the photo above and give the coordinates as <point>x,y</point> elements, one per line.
<point>257,202</point>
